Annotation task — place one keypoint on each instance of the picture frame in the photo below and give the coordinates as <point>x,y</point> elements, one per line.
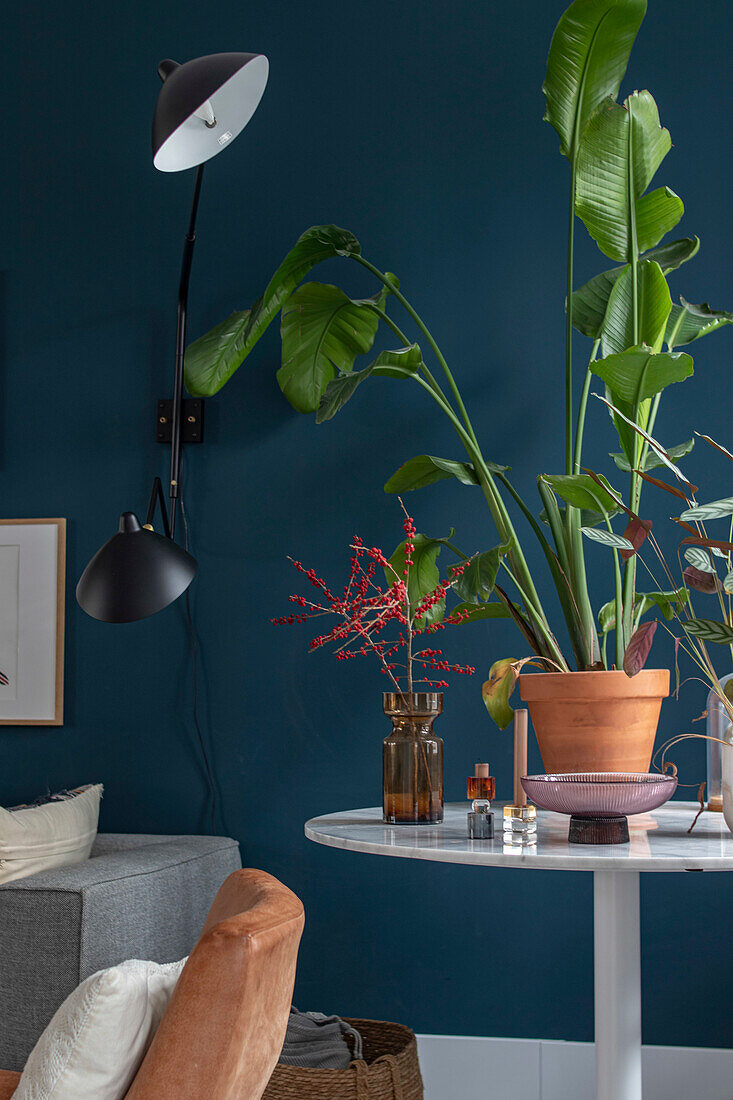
<point>32,621</point>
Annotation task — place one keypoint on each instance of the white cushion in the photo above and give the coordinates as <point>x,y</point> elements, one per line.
<point>35,838</point>
<point>96,1041</point>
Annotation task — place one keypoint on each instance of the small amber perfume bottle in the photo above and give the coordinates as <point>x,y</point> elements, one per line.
<point>480,788</point>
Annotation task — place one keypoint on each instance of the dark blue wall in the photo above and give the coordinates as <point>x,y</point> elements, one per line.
<point>418,126</point>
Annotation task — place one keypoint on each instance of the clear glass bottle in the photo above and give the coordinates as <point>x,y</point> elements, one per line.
<point>717,725</point>
<point>412,759</point>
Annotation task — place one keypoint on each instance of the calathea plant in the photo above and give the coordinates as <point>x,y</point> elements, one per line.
<point>614,150</point>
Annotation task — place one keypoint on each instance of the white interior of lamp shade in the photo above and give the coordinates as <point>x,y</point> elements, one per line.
<point>234,104</point>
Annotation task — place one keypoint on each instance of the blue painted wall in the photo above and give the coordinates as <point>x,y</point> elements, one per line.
<point>417,125</point>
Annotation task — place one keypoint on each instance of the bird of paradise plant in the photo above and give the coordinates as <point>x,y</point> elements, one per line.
<point>614,150</point>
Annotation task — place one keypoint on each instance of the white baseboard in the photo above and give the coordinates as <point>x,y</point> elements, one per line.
<point>456,1067</point>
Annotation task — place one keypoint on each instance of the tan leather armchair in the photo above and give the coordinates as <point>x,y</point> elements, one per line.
<point>223,1031</point>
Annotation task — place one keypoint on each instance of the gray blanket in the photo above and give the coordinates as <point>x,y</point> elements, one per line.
<point>315,1041</point>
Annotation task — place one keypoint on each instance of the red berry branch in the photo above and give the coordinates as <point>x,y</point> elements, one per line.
<point>365,610</point>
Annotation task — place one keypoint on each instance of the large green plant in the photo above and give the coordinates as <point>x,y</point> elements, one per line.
<point>614,151</point>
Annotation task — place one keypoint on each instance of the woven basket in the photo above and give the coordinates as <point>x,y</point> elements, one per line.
<point>389,1070</point>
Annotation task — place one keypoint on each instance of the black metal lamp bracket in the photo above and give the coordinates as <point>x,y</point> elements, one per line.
<point>192,420</point>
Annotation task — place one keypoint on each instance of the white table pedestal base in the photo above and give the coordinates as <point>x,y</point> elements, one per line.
<point>617,985</point>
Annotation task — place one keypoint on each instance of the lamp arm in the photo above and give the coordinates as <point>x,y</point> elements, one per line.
<point>156,497</point>
<point>176,442</point>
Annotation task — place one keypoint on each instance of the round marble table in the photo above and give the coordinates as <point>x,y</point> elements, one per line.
<point>658,842</point>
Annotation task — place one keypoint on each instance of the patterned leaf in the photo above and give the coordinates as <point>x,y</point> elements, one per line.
<point>608,538</point>
<point>710,631</point>
<point>700,559</point>
<point>717,509</point>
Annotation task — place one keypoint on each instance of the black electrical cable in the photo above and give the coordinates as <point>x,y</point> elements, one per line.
<point>194,677</point>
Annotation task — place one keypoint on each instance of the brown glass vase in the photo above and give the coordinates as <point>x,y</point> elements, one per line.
<point>412,759</point>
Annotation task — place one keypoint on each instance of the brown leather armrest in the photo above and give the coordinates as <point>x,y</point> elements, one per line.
<point>223,1031</point>
<point>8,1083</point>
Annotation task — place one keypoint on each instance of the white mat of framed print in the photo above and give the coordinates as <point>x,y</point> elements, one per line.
<point>32,590</point>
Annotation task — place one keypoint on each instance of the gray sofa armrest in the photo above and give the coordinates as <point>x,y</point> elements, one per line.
<point>143,897</point>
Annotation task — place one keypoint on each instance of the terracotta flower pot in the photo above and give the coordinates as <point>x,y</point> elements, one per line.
<point>595,721</point>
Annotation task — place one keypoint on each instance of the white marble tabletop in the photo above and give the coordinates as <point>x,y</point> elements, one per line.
<point>658,841</point>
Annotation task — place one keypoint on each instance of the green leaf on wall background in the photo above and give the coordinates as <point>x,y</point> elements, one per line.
<point>323,331</point>
<point>426,470</point>
<point>424,575</point>
<point>687,322</point>
<point>590,301</point>
<point>392,364</point>
<point>477,612</point>
<point>654,305</point>
<point>581,491</point>
<point>621,149</point>
<point>588,56</point>
<point>637,374</point>
<point>653,461</point>
<point>477,580</point>
<point>644,602</point>
<point>213,358</point>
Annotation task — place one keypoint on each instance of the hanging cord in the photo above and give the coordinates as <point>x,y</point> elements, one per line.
<point>194,677</point>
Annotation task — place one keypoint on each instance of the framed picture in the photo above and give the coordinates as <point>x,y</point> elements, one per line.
<point>32,593</point>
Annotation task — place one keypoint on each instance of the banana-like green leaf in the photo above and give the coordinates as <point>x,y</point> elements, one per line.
<point>474,613</point>
<point>581,491</point>
<point>497,689</point>
<point>728,583</point>
<point>590,301</point>
<point>621,149</point>
<point>588,57</point>
<point>323,331</point>
<point>427,469</point>
<point>717,509</point>
<point>213,358</point>
<point>710,631</point>
<point>687,322</point>
<point>607,538</point>
<point>638,373</point>
<point>666,602</point>
<point>654,305</point>
<point>653,461</point>
<point>588,518</point>
<point>476,582</point>
<point>392,364</point>
<point>423,574</point>
<point>700,559</point>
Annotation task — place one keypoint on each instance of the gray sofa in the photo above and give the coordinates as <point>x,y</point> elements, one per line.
<point>143,897</point>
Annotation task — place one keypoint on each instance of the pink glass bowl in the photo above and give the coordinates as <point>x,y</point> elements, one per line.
<point>600,794</point>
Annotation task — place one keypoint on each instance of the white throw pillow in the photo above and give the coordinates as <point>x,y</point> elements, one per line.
<point>60,831</point>
<point>96,1041</point>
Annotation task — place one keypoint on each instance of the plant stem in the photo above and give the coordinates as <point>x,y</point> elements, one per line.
<point>426,332</point>
<point>498,510</point>
<point>569,316</point>
<point>580,427</point>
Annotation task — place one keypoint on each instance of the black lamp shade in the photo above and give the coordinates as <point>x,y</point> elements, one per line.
<point>228,86</point>
<point>134,575</point>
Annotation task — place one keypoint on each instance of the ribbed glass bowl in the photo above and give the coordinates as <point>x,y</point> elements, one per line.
<point>600,794</point>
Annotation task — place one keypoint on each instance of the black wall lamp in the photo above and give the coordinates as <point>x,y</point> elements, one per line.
<point>203,105</point>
